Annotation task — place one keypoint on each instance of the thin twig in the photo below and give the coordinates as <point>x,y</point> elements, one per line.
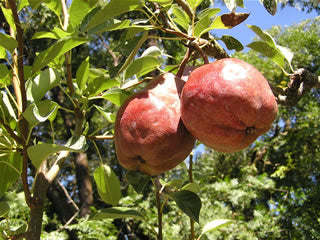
<point>184,63</point>
<point>67,195</point>
<point>113,55</point>
<point>17,138</point>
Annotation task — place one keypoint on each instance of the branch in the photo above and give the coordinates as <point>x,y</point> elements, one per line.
<point>113,55</point>
<point>301,82</point>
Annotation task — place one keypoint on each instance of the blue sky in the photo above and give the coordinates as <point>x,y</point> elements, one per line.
<point>260,17</point>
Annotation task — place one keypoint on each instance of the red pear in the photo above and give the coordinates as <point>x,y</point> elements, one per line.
<point>227,104</point>
<point>150,136</point>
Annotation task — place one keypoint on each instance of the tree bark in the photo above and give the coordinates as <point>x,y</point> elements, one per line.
<point>84,183</point>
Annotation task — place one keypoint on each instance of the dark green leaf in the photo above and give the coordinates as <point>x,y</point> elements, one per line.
<point>232,43</point>
<point>142,66</point>
<point>116,213</point>
<point>83,74</point>
<point>4,208</point>
<point>8,42</point>
<point>188,202</point>
<point>108,184</point>
<point>10,170</point>
<point>38,153</point>
<point>270,5</point>
<point>138,180</point>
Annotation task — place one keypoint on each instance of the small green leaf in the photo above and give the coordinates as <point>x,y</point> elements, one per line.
<point>99,84</point>
<point>232,43</point>
<point>40,112</point>
<point>4,76</point>
<point>38,153</point>
<point>79,9</point>
<point>181,17</point>
<point>163,3</point>
<point>36,88</point>
<point>116,96</point>
<point>10,170</point>
<point>188,202</point>
<point>9,17</point>
<point>4,208</point>
<point>7,112</point>
<point>215,225</point>
<point>35,3</point>
<point>142,66</point>
<point>110,117</point>
<point>266,37</point>
<point>138,180</point>
<point>112,9</point>
<point>268,51</point>
<point>108,184</point>
<point>205,22</point>
<point>8,42</point>
<point>270,6</point>
<point>83,74</point>
<point>55,6</point>
<point>193,187</point>
<point>116,213</point>
<point>39,35</point>
<point>286,53</point>
<point>59,48</point>
<point>194,3</point>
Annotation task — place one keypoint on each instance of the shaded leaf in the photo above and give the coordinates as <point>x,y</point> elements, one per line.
<point>270,6</point>
<point>142,66</point>
<point>4,208</point>
<point>193,187</point>
<point>232,43</point>
<point>188,202</point>
<point>100,84</point>
<point>116,213</point>
<point>108,184</point>
<point>232,19</point>
<point>83,74</point>
<point>266,37</point>
<point>4,76</point>
<point>138,180</point>
<point>38,153</point>
<point>8,42</point>
<point>232,4</point>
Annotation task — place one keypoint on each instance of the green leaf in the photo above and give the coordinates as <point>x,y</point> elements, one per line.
<point>55,6</point>
<point>116,96</point>
<point>232,4</point>
<point>4,76</point>
<point>270,6</point>
<point>110,117</point>
<point>268,51</point>
<point>22,4</point>
<point>100,84</point>
<point>4,208</point>
<point>35,3</point>
<point>232,43</point>
<point>79,9</point>
<point>83,74</point>
<point>3,53</point>
<point>8,42</point>
<point>116,213</point>
<point>142,66</point>
<point>59,48</point>
<point>108,184</point>
<point>9,17</point>
<point>7,112</point>
<point>38,153</point>
<point>163,3</point>
<point>193,187</point>
<point>153,51</point>
<point>188,202</point>
<point>215,225</point>
<point>10,170</point>
<point>286,53</point>
<point>266,37</point>
<point>205,22</point>
<point>138,180</point>
<point>194,3</point>
<point>39,35</point>
<point>36,88</point>
<point>40,112</point>
<point>112,9</point>
<point>181,17</point>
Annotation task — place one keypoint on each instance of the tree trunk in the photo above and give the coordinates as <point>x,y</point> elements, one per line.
<point>84,183</point>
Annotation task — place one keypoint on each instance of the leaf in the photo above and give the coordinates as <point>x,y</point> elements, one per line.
<point>138,180</point>
<point>205,22</point>
<point>112,9</point>
<point>268,51</point>
<point>270,6</point>
<point>142,66</point>
<point>108,184</point>
<point>110,117</point>
<point>116,213</point>
<point>100,84</point>
<point>40,112</point>
<point>3,53</point>
<point>194,3</point>
<point>163,3</point>
<point>232,4</point>
<point>83,74</point>
<point>39,35</point>
<point>8,42</point>
<point>9,17</point>
<point>7,112</point>
<point>116,96</point>
<point>232,43</point>
<point>35,3</point>
<point>153,51</point>
<point>10,170</point>
<point>59,48</point>
<point>266,37</point>
<point>4,208</point>
<point>188,202</point>
<point>38,153</point>
<point>286,53</point>
<point>181,17</point>
<point>215,225</point>
<point>231,20</point>
<point>4,76</point>
<point>193,187</point>
<point>55,6</point>
<point>79,9</point>
<point>41,84</point>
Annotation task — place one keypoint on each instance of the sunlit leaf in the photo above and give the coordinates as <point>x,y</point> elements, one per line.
<point>215,225</point>
<point>110,117</point>
<point>116,96</point>
<point>205,22</point>
<point>194,3</point>
<point>8,42</point>
<point>181,17</point>
<point>39,35</point>
<point>35,3</point>
<point>265,36</point>
<point>9,17</point>
<point>55,6</point>
<point>83,74</point>
<point>116,213</point>
<point>38,153</point>
<point>79,9</point>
